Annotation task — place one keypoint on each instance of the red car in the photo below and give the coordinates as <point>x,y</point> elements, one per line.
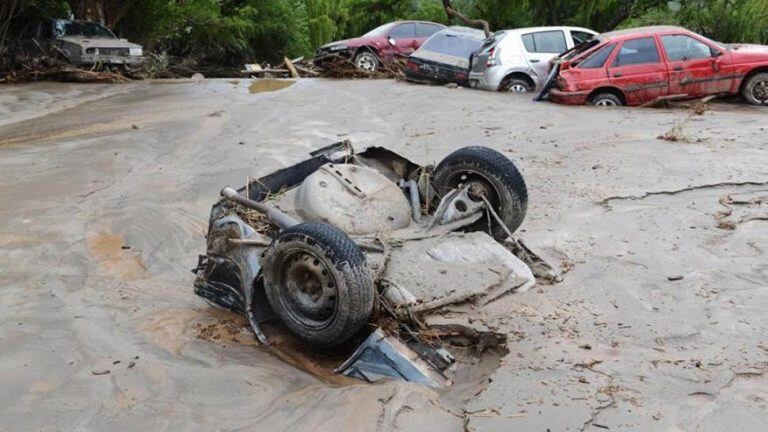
<point>399,38</point>
<point>634,66</point>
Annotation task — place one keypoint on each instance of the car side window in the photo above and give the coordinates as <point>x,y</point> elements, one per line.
<point>682,47</point>
<point>637,51</point>
<point>598,58</point>
<point>427,30</point>
<point>550,42</point>
<point>580,37</point>
<point>404,31</point>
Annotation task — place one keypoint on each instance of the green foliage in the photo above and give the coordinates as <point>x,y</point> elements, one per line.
<point>231,32</point>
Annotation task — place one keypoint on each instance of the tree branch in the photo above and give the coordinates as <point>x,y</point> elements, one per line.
<point>453,13</point>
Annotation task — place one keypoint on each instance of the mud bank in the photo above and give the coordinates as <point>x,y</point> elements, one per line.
<point>659,325</point>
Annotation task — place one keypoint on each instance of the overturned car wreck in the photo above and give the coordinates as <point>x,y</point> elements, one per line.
<point>365,248</point>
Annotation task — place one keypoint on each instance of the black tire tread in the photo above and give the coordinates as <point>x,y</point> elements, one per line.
<point>747,89</point>
<point>606,95</point>
<point>350,263</point>
<point>497,166</point>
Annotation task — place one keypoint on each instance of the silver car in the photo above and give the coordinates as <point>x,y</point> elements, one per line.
<point>517,60</point>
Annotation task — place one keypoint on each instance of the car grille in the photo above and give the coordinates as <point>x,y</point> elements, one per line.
<point>114,51</point>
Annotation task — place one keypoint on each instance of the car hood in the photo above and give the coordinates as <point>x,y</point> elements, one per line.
<point>351,43</point>
<point>749,48</point>
<point>749,53</point>
<point>88,42</point>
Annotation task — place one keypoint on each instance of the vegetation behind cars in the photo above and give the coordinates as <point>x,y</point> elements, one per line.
<point>233,32</point>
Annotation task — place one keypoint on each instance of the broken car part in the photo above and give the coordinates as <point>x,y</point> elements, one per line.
<point>327,216</point>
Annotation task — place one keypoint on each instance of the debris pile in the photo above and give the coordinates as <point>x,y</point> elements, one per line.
<point>24,67</point>
<point>331,67</point>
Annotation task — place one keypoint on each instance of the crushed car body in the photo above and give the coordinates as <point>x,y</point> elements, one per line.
<point>444,58</point>
<point>344,244</point>
<point>641,65</point>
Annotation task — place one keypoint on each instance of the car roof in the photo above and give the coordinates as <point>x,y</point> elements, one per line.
<point>416,21</point>
<point>469,32</point>
<point>618,34</point>
<point>547,28</point>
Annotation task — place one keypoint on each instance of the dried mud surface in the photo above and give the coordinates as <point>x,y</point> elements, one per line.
<point>660,324</point>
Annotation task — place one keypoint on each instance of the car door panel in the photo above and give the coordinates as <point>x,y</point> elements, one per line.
<point>405,38</point>
<point>541,47</point>
<point>695,68</point>
<point>638,71</point>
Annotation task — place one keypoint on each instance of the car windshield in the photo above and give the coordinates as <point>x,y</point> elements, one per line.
<point>453,45</point>
<point>82,28</point>
<point>494,38</point>
<point>380,30</point>
<point>716,44</point>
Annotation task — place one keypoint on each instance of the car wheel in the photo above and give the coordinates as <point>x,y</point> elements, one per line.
<point>317,281</point>
<point>756,89</point>
<point>606,99</point>
<point>366,61</point>
<point>489,174</point>
<point>516,85</point>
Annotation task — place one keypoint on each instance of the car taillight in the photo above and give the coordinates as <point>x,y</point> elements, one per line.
<point>561,83</point>
<point>412,66</point>
<point>491,61</point>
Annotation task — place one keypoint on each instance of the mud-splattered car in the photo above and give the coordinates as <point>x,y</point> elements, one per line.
<point>641,65</point>
<point>85,43</point>
<point>381,45</point>
<point>348,247</point>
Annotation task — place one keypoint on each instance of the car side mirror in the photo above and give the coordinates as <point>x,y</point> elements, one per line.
<point>715,53</point>
<point>391,41</point>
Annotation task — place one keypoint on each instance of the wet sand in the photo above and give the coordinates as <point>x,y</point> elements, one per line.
<point>104,203</point>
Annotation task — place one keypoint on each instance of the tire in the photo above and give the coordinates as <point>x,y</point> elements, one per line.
<point>606,99</point>
<point>516,85</point>
<point>755,90</point>
<point>317,281</point>
<point>488,173</point>
<point>366,61</point>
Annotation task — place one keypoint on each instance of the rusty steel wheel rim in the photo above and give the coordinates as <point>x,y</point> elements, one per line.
<point>309,290</point>
<point>478,185</point>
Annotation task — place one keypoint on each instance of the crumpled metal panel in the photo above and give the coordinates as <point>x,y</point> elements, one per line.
<point>381,357</point>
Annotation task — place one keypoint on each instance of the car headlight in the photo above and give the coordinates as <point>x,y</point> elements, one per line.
<point>337,47</point>
<point>136,52</point>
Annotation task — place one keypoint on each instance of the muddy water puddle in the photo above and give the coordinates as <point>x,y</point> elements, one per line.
<point>115,258</point>
<point>267,85</point>
<point>475,361</point>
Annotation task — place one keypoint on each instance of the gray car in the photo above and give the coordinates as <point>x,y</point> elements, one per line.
<point>86,43</point>
<point>518,60</point>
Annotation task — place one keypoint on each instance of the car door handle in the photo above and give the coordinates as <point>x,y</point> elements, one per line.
<point>535,60</point>
<point>618,75</point>
<point>678,68</point>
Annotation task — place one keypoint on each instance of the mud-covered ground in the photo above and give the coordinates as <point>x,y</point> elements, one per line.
<point>660,324</point>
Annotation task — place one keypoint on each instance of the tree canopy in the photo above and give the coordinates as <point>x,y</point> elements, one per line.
<point>232,32</point>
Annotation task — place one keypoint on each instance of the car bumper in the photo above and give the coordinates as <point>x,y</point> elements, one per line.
<point>568,98</point>
<point>322,56</point>
<point>131,61</point>
<point>490,79</point>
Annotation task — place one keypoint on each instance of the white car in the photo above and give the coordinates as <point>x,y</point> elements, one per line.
<point>518,60</point>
